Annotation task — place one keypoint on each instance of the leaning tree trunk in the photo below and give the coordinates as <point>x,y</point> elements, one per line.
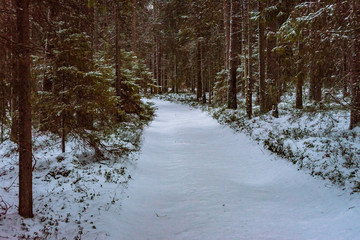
<point>23,75</point>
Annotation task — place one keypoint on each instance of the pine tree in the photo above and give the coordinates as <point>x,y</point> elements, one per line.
<point>23,76</point>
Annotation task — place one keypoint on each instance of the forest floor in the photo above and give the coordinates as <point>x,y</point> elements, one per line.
<point>73,191</point>
<point>193,179</point>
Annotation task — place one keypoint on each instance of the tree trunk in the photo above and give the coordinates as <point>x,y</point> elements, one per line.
<point>235,49</point>
<point>355,66</point>
<point>226,9</point>
<point>244,25</point>
<point>261,39</point>
<point>249,91</point>
<point>300,79</point>
<point>14,132</point>
<point>272,69</point>
<point>345,73</point>
<point>202,76</point>
<point>199,80</point>
<point>23,75</point>
<point>117,50</point>
<point>158,67</point>
<point>210,81</point>
<point>133,30</point>
<point>96,32</point>
<point>63,117</point>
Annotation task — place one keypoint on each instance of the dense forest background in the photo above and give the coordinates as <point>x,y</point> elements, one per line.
<point>81,67</point>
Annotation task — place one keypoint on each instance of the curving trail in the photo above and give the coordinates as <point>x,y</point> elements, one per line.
<point>198,180</point>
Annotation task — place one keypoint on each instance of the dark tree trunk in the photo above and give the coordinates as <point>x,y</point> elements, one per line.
<point>345,80</point>
<point>272,68</point>
<point>14,134</point>
<point>235,49</point>
<point>355,66</point>
<point>226,9</point>
<point>249,91</point>
<point>315,80</point>
<point>133,29</point>
<point>210,81</point>
<point>300,79</point>
<point>261,39</point>
<point>202,76</point>
<point>199,80</point>
<point>117,50</point>
<point>23,75</point>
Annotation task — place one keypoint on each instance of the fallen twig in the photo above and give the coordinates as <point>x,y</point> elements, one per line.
<point>159,216</point>
<point>4,206</point>
<point>8,188</point>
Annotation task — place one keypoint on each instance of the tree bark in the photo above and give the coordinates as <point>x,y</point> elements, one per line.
<point>14,102</point>
<point>117,50</point>
<point>249,91</point>
<point>23,75</point>
<point>226,9</point>
<point>235,49</point>
<point>300,79</point>
<point>355,66</point>
<point>133,30</point>
<point>199,80</point>
<point>261,40</point>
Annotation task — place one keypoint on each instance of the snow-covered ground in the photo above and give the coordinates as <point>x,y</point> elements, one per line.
<point>194,179</point>
<point>72,191</point>
<point>317,138</point>
<point>198,180</point>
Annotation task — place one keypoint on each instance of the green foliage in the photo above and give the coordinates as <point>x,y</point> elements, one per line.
<point>220,87</point>
<point>135,79</point>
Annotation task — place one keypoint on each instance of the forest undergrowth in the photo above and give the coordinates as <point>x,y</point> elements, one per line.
<point>71,190</point>
<point>316,139</point>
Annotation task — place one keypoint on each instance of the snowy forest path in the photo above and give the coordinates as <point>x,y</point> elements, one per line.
<point>196,179</point>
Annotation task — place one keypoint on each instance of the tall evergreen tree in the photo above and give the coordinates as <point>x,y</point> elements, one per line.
<point>23,76</point>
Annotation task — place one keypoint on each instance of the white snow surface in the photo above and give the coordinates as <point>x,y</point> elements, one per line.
<point>196,179</point>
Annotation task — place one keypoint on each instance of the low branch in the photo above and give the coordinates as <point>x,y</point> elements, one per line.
<point>345,105</point>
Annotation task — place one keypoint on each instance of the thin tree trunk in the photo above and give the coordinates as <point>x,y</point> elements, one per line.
<point>117,50</point>
<point>300,79</point>
<point>2,111</point>
<point>14,103</point>
<point>154,69</point>
<point>271,68</point>
<point>249,91</point>
<point>261,39</point>
<point>158,67</point>
<point>202,76</point>
<point>23,75</point>
<point>199,80</point>
<point>96,22</point>
<point>355,66</point>
<point>63,118</point>
<point>345,74</point>
<point>235,49</point>
<point>210,81</point>
<point>133,30</point>
<point>226,9</point>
